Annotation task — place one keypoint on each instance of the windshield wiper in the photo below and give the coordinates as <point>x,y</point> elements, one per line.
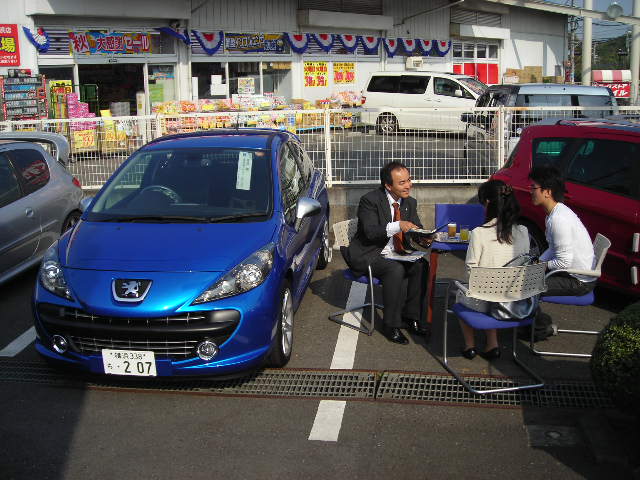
<point>159,219</point>
<point>239,216</point>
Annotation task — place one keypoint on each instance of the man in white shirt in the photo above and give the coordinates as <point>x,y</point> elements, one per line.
<point>570,246</point>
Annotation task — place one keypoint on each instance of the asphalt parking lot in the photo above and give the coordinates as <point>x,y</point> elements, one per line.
<point>58,426</point>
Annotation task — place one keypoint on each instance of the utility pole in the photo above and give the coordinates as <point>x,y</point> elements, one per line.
<point>634,54</point>
<point>587,38</point>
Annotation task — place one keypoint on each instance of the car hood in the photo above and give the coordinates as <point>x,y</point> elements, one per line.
<point>181,247</point>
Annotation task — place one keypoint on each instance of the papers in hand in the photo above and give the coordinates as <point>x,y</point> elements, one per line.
<point>407,257</point>
<point>420,239</point>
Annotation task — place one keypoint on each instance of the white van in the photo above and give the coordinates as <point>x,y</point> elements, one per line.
<point>396,100</point>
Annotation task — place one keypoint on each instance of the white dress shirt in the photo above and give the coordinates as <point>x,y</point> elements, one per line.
<point>392,227</point>
<point>569,242</point>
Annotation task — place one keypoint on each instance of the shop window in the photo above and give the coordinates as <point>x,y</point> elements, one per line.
<point>493,51</point>
<point>481,50</point>
<point>468,50</point>
<point>277,78</point>
<point>244,78</point>
<point>204,71</point>
<point>457,50</point>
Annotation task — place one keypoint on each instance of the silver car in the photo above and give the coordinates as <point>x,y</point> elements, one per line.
<point>39,198</point>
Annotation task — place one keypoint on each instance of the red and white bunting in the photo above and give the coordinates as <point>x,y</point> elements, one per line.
<point>442,47</point>
<point>298,41</point>
<point>409,44</point>
<point>349,42</point>
<point>209,41</point>
<point>324,40</point>
<point>391,46</point>
<point>370,44</point>
<point>425,46</point>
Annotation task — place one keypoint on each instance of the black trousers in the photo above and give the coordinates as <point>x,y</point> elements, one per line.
<point>562,284</point>
<point>404,290</point>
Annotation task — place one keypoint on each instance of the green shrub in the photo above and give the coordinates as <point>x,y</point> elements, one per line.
<point>615,364</point>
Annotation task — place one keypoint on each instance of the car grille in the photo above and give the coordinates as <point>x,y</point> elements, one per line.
<point>173,336</point>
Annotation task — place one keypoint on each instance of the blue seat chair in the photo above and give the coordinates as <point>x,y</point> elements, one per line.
<point>601,246</point>
<point>343,232</point>
<point>495,284</point>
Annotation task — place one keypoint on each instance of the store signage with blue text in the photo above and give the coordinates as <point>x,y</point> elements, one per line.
<point>254,42</point>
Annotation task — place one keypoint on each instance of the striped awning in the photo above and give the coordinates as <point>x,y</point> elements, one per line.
<point>611,75</point>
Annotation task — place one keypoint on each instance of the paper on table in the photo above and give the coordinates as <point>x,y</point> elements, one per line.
<point>408,257</point>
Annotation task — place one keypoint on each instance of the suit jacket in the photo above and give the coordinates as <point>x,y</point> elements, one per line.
<point>374,214</point>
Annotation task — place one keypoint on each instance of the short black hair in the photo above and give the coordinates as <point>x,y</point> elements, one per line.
<point>385,172</point>
<point>549,178</point>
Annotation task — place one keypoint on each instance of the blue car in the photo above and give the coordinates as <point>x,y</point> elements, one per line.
<point>191,260</point>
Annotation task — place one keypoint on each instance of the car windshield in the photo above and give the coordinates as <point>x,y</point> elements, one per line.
<point>189,185</point>
<point>472,84</point>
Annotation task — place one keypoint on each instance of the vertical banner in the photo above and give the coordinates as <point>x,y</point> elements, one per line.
<point>344,72</point>
<point>316,74</point>
<point>9,47</point>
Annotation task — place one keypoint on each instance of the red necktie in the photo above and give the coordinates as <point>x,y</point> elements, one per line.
<point>398,238</point>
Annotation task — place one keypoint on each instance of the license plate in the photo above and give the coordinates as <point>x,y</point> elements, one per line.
<point>140,363</point>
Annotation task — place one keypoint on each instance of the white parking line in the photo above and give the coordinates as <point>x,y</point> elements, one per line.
<point>326,426</point>
<point>19,343</point>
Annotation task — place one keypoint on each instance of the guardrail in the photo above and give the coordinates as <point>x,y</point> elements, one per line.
<point>348,145</point>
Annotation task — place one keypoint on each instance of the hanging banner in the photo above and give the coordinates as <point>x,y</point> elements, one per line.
<point>107,43</point>
<point>315,74</point>
<point>349,42</point>
<point>391,46</point>
<point>254,42</point>
<point>210,42</point>
<point>425,46</point>
<point>299,41</point>
<point>344,72</point>
<point>324,41</point>
<point>370,44</point>
<point>9,47</point>
<point>408,44</point>
<point>441,47</point>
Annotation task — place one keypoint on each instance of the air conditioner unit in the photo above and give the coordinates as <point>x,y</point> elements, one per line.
<point>414,62</point>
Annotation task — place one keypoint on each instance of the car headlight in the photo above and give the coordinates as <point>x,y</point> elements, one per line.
<point>248,274</point>
<point>51,275</point>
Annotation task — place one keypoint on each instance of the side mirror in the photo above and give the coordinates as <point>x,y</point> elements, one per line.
<point>307,207</point>
<point>85,202</point>
<point>457,93</point>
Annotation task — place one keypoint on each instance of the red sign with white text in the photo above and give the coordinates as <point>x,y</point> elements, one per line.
<point>9,47</point>
<point>619,89</point>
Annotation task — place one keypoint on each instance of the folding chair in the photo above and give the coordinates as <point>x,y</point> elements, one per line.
<point>343,233</point>
<point>495,284</point>
<point>601,245</point>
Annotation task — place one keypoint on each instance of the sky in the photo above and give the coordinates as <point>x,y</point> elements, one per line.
<point>603,30</point>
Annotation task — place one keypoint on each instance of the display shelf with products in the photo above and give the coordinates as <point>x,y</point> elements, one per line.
<point>23,98</point>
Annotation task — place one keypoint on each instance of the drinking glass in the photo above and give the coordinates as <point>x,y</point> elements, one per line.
<point>451,229</point>
<point>464,233</point>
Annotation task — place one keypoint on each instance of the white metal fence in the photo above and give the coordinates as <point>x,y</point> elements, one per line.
<point>340,144</point>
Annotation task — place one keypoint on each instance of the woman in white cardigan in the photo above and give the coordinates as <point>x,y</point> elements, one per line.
<point>493,244</point>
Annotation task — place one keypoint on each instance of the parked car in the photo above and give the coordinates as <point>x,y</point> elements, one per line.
<point>39,198</point>
<point>397,100</point>
<point>191,260</point>
<point>482,128</point>
<point>600,160</point>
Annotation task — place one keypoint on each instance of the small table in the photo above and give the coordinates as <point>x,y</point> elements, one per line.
<point>440,244</point>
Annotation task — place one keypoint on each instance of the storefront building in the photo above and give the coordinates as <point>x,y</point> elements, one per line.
<point>137,57</point>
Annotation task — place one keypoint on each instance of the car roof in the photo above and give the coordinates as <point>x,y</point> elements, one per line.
<point>594,124</point>
<point>420,72</point>
<point>248,138</point>
<point>551,89</point>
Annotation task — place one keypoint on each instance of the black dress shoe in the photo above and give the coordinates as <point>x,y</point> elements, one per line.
<point>492,354</point>
<point>417,329</point>
<point>469,353</point>
<point>395,335</point>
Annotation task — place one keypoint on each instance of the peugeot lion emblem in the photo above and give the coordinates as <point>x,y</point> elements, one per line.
<point>130,290</point>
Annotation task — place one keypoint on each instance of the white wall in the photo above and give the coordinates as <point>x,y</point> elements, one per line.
<point>13,11</point>
<point>168,9</point>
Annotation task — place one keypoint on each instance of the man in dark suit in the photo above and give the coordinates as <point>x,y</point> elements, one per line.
<point>384,215</point>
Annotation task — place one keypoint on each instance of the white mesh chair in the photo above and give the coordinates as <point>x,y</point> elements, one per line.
<point>343,232</point>
<point>601,246</point>
<point>495,284</point>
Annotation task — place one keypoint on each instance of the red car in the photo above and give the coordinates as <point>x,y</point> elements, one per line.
<point>600,161</point>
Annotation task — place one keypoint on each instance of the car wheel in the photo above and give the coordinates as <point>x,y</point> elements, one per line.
<point>283,341</point>
<point>325,249</point>
<point>70,221</point>
<point>537,242</point>
<point>387,124</point>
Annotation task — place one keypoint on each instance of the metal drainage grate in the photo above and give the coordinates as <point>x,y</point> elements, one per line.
<point>334,384</point>
<point>400,386</point>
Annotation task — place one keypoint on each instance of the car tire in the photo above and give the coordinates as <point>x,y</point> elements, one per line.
<point>283,342</point>
<point>387,124</point>
<point>537,241</point>
<point>71,220</point>
<point>325,248</point>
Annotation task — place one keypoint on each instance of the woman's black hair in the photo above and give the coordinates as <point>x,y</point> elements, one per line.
<point>502,205</point>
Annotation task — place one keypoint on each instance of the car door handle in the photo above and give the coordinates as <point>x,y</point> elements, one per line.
<point>28,212</point>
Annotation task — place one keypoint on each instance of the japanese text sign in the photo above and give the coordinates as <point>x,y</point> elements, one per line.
<point>254,42</point>
<point>344,72</point>
<point>619,89</point>
<point>316,74</point>
<point>9,47</point>
<point>93,42</point>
